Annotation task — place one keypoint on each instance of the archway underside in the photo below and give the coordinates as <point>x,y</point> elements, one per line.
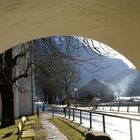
<point>115,23</point>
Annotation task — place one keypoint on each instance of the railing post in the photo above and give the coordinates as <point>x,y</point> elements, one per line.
<point>69,113</point>
<point>73,115</point>
<point>118,107</point>
<point>90,118</point>
<point>80,117</point>
<point>104,124</point>
<point>103,118</point>
<point>130,129</point>
<point>128,108</point>
<point>65,111</point>
<point>53,111</point>
<point>138,108</point>
<point>103,107</point>
<point>89,105</point>
<point>110,107</point>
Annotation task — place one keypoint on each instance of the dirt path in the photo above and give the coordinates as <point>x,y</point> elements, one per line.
<point>52,131</point>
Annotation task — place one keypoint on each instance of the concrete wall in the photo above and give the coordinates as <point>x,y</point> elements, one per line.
<point>24,87</point>
<point>23,98</point>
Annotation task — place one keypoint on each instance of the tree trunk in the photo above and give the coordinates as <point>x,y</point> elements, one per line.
<point>7,92</point>
<point>7,106</point>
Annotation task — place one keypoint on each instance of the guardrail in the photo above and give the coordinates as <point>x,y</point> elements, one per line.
<point>119,105</point>
<point>68,111</point>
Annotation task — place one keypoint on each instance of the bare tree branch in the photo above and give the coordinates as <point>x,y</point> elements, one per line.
<point>25,75</point>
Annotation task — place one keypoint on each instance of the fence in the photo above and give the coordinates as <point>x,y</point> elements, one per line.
<point>122,107</point>
<point>71,109</point>
<point>115,106</point>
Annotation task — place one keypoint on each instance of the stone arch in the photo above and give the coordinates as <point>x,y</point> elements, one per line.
<point>115,23</point>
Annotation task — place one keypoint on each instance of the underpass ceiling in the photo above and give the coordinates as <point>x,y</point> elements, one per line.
<point>113,22</point>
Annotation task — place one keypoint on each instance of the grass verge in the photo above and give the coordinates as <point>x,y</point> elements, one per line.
<point>69,129</point>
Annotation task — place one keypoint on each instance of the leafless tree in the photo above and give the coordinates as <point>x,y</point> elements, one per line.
<point>62,60</point>
<point>58,67</point>
<point>7,80</point>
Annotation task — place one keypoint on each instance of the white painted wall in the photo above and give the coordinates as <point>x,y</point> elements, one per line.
<point>23,95</point>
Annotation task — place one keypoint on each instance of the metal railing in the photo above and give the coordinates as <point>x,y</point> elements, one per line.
<point>118,106</point>
<point>68,112</point>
